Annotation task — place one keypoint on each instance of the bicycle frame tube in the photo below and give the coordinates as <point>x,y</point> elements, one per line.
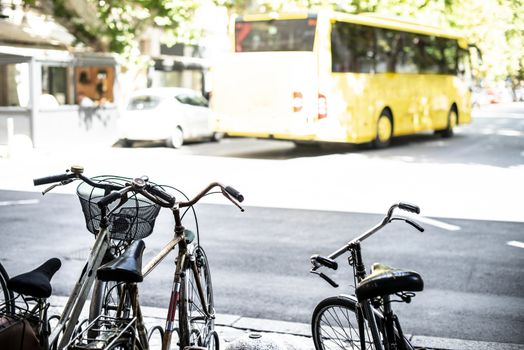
<point>366,307</point>
<point>76,301</point>
<point>142,332</point>
<point>175,295</point>
<point>161,255</point>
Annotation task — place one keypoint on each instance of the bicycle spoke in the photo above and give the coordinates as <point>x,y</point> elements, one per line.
<point>339,337</point>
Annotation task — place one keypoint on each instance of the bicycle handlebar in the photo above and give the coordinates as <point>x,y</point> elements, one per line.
<point>234,193</point>
<point>53,179</point>
<point>160,197</point>
<point>153,192</point>
<point>327,261</point>
<point>164,199</point>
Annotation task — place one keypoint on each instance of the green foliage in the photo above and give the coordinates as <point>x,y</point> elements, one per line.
<point>116,25</point>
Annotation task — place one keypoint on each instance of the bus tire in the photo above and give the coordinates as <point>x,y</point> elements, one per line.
<point>452,122</point>
<point>384,130</point>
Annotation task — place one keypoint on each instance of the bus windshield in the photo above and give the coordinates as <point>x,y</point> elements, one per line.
<point>275,35</point>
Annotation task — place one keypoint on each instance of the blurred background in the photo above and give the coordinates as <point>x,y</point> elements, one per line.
<point>61,60</point>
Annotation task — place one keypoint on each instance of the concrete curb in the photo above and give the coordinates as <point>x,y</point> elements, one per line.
<point>295,335</point>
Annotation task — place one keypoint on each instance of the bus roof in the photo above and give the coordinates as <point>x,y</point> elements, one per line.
<point>370,19</point>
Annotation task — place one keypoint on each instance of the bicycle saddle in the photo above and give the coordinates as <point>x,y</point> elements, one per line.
<point>36,283</point>
<point>126,268</point>
<point>385,280</point>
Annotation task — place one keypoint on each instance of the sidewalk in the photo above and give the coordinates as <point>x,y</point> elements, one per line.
<point>292,335</point>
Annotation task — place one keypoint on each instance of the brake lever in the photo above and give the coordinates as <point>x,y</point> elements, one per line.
<point>408,221</point>
<point>325,278</point>
<point>61,183</point>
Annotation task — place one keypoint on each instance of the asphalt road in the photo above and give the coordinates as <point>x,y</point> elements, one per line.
<point>259,259</point>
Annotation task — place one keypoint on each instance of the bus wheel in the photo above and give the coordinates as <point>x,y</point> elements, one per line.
<point>452,122</point>
<point>384,130</point>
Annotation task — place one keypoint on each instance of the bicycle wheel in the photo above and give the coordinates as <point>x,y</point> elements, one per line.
<point>6,295</point>
<point>196,329</point>
<point>335,326</point>
<point>105,301</point>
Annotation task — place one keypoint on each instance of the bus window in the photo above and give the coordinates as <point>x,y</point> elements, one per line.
<point>275,35</point>
<point>364,49</point>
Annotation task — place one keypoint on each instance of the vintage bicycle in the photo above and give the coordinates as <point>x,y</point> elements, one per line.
<point>121,324</point>
<point>24,297</point>
<point>365,320</point>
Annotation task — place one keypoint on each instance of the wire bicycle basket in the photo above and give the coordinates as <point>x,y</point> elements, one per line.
<point>134,219</point>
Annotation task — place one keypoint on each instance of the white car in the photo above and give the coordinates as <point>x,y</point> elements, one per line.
<point>173,115</point>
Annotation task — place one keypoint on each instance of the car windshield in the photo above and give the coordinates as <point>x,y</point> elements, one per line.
<point>144,102</point>
<point>192,99</point>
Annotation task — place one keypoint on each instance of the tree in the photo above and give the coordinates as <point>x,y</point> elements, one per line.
<point>116,25</point>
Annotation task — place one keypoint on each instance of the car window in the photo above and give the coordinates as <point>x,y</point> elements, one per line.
<point>192,99</point>
<point>144,102</point>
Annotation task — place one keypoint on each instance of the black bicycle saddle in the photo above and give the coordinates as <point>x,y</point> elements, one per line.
<point>385,280</point>
<point>36,283</point>
<point>126,268</point>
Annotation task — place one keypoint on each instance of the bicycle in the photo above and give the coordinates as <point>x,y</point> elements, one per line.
<point>365,320</point>
<point>191,293</point>
<point>25,296</point>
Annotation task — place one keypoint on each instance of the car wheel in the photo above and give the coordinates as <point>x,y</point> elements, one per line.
<point>217,136</point>
<point>177,138</point>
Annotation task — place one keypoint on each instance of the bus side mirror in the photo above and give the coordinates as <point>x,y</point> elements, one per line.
<point>478,53</point>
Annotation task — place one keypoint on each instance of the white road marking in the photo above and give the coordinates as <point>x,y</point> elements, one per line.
<point>437,223</point>
<point>20,202</point>
<point>515,244</point>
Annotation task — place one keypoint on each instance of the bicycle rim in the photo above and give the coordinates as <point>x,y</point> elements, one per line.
<point>6,295</point>
<point>335,326</point>
<point>196,329</point>
<point>106,301</point>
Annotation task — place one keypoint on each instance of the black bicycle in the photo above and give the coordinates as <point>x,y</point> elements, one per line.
<point>365,320</point>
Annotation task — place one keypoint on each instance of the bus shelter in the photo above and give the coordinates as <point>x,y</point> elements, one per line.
<point>55,97</point>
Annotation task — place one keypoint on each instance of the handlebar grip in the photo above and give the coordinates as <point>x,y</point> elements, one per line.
<point>327,262</point>
<point>158,192</point>
<point>412,208</point>
<point>52,179</point>
<point>105,201</point>
<point>234,193</point>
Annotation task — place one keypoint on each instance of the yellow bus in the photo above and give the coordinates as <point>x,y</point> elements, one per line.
<point>334,77</point>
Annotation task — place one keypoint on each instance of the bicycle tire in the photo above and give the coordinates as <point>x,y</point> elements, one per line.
<point>345,307</point>
<point>6,294</point>
<point>104,301</point>
<point>195,328</point>
<point>334,325</point>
